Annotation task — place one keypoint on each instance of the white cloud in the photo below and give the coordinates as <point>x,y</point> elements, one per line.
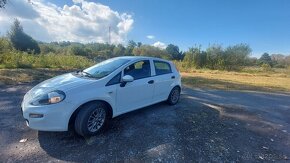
<point>77,1</point>
<point>150,37</point>
<point>19,8</point>
<point>82,22</point>
<point>160,45</point>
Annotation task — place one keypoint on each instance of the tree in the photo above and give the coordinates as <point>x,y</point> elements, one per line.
<point>20,40</point>
<point>191,56</point>
<point>151,51</point>
<point>131,45</point>
<point>119,50</point>
<point>278,60</point>
<point>236,56</point>
<point>215,57</point>
<point>5,45</point>
<point>265,59</point>
<point>173,51</point>
<point>251,61</point>
<point>182,55</point>
<point>78,49</point>
<point>3,3</point>
<point>188,57</point>
<point>46,48</point>
<point>139,44</point>
<point>5,48</point>
<point>199,57</point>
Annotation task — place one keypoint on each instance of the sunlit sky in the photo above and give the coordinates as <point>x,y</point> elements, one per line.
<point>263,24</point>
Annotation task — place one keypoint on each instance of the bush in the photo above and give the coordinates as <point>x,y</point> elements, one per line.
<point>266,67</point>
<point>16,59</point>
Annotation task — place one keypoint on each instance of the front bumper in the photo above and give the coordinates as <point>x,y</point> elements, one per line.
<point>55,117</point>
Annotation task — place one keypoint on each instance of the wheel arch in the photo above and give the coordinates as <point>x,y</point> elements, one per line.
<point>178,86</point>
<point>175,85</point>
<point>75,113</point>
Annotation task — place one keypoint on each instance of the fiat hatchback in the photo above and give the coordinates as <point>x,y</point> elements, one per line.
<point>88,99</point>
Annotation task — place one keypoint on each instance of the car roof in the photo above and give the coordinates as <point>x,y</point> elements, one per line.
<point>141,57</point>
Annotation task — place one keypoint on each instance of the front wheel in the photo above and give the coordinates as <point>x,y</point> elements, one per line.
<point>174,96</point>
<point>91,119</point>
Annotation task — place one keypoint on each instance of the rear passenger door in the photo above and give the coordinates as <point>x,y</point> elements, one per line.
<point>164,77</point>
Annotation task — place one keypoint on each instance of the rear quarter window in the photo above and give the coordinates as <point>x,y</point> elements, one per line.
<point>162,67</point>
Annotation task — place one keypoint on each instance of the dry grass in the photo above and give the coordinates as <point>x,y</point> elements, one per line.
<point>237,81</point>
<point>15,76</point>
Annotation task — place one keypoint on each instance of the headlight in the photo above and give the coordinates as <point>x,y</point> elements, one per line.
<point>49,98</point>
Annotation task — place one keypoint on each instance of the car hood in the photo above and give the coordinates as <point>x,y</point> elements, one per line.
<point>63,82</point>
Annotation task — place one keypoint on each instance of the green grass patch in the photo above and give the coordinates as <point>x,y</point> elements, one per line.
<point>15,59</point>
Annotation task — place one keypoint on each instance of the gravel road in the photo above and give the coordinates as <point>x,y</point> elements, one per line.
<point>205,126</point>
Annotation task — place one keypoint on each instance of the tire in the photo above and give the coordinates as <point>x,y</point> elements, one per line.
<point>91,119</point>
<point>174,96</point>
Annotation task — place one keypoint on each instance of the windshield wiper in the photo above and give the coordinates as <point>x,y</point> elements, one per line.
<point>86,74</point>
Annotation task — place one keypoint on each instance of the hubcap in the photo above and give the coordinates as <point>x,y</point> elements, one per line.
<point>175,95</point>
<point>96,119</point>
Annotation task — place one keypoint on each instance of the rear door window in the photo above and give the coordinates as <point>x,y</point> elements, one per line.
<point>162,67</point>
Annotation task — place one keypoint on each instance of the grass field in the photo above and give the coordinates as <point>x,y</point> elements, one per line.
<point>276,81</point>
<point>271,81</point>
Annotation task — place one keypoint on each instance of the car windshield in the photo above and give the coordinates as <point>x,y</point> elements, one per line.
<point>104,68</point>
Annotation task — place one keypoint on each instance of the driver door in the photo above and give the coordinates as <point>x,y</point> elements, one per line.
<point>139,92</point>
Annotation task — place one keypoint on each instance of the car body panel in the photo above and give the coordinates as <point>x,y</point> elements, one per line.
<point>128,95</point>
<point>61,82</point>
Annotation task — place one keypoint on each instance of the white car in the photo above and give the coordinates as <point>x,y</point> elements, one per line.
<point>88,99</point>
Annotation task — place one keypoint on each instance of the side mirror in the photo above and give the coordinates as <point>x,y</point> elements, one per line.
<point>126,79</point>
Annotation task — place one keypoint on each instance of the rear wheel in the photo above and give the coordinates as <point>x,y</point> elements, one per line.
<point>91,119</point>
<point>174,96</point>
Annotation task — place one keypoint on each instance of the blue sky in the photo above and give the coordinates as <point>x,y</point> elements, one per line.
<point>263,24</point>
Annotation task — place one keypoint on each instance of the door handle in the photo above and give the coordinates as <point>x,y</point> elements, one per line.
<point>172,77</point>
<point>151,82</point>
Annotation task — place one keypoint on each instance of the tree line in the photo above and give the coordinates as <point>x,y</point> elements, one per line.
<point>214,57</point>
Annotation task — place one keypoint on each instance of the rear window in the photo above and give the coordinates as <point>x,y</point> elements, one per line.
<point>162,67</point>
